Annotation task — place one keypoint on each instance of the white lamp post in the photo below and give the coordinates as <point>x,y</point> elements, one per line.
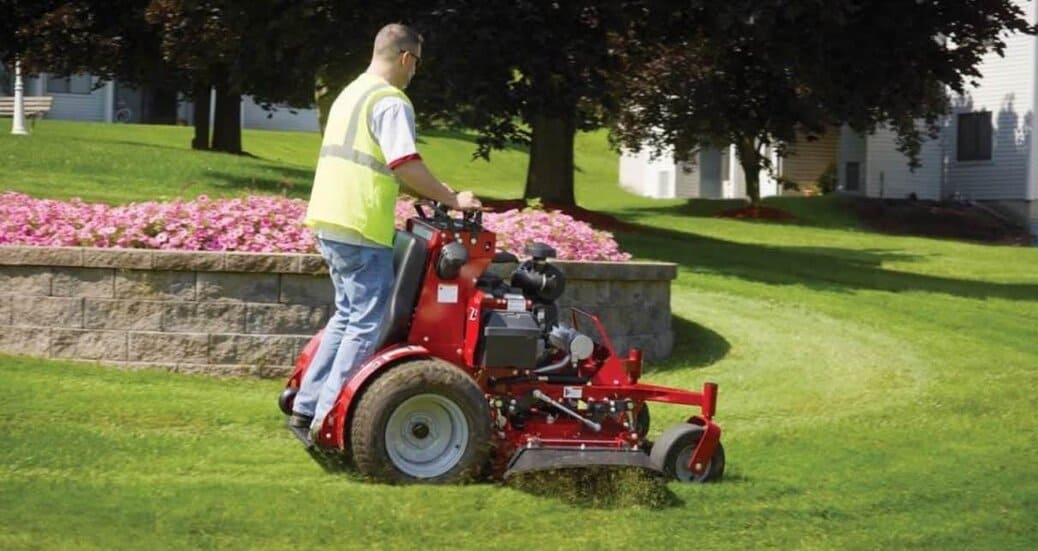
<point>18,124</point>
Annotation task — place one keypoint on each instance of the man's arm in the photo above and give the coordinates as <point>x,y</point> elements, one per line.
<point>392,122</point>
<point>416,176</point>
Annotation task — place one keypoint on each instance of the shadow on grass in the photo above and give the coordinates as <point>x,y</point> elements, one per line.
<point>829,211</point>
<point>820,268</point>
<point>695,346</point>
<point>599,488</point>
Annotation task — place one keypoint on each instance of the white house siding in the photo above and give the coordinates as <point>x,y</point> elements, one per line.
<point>1007,91</point>
<point>851,150</point>
<point>710,174</point>
<point>641,174</point>
<point>805,162</point>
<point>253,116</point>
<point>75,107</point>
<point>687,178</point>
<point>889,174</point>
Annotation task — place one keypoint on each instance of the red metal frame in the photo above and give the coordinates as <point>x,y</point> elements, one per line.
<point>447,325</point>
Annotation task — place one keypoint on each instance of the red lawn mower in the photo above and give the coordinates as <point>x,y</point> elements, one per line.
<point>477,376</point>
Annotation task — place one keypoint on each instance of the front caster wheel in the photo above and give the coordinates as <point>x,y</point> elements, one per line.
<point>673,451</point>
<point>285,400</point>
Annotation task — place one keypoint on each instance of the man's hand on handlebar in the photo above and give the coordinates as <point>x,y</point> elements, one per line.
<point>465,200</point>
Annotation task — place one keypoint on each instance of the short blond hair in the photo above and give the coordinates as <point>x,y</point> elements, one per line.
<point>394,38</point>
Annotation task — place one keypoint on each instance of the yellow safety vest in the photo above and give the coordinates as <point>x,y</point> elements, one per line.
<point>354,189</point>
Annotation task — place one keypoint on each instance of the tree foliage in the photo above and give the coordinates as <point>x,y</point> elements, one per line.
<point>267,48</point>
<point>524,72</point>
<point>755,73</point>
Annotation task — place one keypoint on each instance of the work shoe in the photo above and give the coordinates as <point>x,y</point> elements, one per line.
<point>300,421</point>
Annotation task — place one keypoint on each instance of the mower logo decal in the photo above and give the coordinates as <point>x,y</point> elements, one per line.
<point>473,313</point>
<point>446,293</point>
<point>573,392</point>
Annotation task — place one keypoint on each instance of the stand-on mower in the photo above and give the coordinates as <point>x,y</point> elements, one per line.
<point>478,376</point>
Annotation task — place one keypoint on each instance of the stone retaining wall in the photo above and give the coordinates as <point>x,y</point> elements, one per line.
<point>243,312</point>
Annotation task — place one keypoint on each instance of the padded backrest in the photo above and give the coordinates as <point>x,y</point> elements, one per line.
<point>409,255</point>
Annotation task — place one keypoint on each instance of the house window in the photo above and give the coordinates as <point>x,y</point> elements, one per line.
<point>853,176</point>
<point>974,136</point>
<point>75,84</point>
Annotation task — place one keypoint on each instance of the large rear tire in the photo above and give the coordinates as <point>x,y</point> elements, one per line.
<point>421,421</point>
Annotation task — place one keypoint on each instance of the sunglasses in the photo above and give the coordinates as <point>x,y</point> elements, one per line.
<point>417,59</point>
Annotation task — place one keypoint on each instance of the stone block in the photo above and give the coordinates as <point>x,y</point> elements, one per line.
<point>633,293</point>
<point>258,262</point>
<point>148,285</point>
<point>5,310</point>
<point>47,311</point>
<point>187,261</point>
<point>659,321</point>
<point>588,293</point>
<point>88,345</point>
<point>285,319</point>
<point>31,341</point>
<point>19,255</point>
<point>306,289</point>
<point>243,287</point>
<point>654,347</point>
<point>617,321</point>
<point>83,282</point>
<point>168,347</point>
<point>617,271</point>
<point>252,349</point>
<point>138,259</point>
<point>313,264</point>
<point>204,317</point>
<point>26,280</point>
<point>132,315</point>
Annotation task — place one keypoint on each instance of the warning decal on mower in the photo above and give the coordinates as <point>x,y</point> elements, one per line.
<point>446,293</point>
<point>573,392</point>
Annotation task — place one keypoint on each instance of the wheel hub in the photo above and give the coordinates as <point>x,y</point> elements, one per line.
<point>420,430</point>
<point>426,435</point>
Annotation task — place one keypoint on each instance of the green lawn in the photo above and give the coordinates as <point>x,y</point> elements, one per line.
<point>876,392</point>
<point>123,163</point>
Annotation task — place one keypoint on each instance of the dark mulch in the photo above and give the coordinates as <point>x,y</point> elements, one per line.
<point>757,213</point>
<point>948,219</point>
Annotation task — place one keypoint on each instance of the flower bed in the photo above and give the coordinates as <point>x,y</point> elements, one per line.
<point>254,224</point>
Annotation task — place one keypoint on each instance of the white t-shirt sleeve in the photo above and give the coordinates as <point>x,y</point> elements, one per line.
<point>392,124</point>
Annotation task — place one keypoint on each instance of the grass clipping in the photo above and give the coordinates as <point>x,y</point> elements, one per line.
<point>603,487</point>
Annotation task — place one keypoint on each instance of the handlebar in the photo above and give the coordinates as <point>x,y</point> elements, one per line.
<point>471,220</point>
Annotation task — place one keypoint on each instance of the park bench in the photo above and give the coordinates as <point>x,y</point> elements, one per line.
<point>35,106</point>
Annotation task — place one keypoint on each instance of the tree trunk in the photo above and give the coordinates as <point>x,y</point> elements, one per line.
<point>200,98</point>
<point>227,121</point>
<point>750,158</point>
<point>550,172</point>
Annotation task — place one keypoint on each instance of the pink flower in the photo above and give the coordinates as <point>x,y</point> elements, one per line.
<point>254,223</point>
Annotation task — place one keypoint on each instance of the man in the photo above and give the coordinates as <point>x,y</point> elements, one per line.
<point>369,143</point>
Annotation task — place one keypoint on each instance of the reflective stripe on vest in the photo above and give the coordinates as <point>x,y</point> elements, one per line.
<point>359,157</point>
<point>348,151</point>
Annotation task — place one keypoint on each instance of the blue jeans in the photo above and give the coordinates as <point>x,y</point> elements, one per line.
<point>363,280</point>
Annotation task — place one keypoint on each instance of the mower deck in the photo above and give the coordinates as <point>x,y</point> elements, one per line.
<point>549,459</point>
